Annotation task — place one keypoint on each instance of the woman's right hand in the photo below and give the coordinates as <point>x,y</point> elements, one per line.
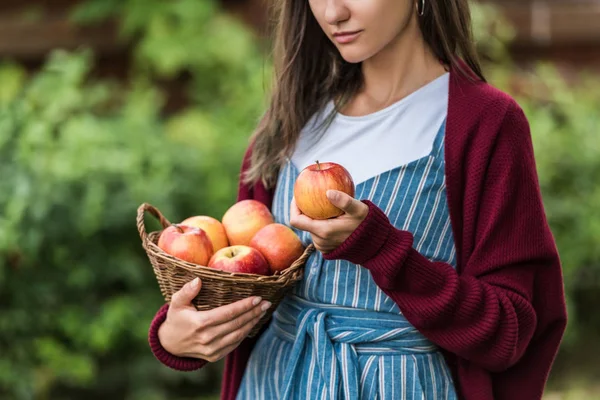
<point>209,335</point>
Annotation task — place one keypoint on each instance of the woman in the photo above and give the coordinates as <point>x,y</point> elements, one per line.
<point>441,280</point>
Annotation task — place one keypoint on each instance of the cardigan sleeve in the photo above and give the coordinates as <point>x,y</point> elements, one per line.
<point>162,355</point>
<point>483,314</point>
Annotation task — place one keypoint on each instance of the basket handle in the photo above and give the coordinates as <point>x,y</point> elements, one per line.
<point>140,219</point>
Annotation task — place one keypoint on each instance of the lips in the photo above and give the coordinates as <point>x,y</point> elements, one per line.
<point>346,37</point>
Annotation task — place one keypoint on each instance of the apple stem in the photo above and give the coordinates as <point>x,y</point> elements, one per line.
<point>318,165</point>
<point>179,228</point>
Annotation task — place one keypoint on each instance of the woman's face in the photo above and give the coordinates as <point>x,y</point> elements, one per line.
<point>362,28</point>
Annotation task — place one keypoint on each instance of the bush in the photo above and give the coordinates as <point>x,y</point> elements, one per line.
<point>78,157</point>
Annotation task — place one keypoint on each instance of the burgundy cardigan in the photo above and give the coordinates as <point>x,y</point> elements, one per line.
<point>500,316</point>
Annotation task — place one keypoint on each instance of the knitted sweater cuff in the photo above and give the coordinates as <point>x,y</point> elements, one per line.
<point>168,359</point>
<point>366,242</point>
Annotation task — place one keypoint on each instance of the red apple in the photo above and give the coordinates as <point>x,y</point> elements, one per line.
<point>186,243</point>
<point>240,258</point>
<point>311,187</point>
<point>243,219</point>
<point>279,244</point>
<point>213,228</point>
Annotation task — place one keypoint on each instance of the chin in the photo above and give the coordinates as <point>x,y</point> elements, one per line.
<point>354,54</point>
<point>352,59</point>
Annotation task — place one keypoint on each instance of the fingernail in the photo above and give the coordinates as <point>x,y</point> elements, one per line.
<point>256,300</point>
<point>265,306</point>
<point>195,282</point>
<point>331,194</point>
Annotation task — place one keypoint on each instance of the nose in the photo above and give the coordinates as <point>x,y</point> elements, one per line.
<point>336,12</point>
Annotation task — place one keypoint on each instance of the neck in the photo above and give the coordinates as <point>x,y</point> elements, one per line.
<point>403,66</point>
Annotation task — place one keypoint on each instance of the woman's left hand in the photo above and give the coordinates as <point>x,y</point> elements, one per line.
<point>328,234</point>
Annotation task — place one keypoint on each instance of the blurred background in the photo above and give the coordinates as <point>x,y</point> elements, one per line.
<point>105,104</point>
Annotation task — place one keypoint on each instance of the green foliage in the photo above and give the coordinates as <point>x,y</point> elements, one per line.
<point>491,31</point>
<point>78,157</point>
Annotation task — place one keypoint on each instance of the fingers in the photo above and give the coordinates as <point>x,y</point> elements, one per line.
<point>345,202</point>
<point>230,312</point>
<point>299,220</point>
<point>221,353</point>
<point>235,337</point>
<point>224,345</point>
<point>242,320</point>
<point>184,296</point>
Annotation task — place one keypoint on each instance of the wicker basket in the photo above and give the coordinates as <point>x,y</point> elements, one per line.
<point>218,287</point>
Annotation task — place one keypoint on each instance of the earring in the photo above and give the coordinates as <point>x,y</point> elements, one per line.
<point>422,11</point>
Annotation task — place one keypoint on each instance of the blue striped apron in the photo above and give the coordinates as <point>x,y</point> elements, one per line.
<point>337,335</point>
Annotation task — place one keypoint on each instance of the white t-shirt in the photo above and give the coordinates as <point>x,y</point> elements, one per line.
<point>378,142</point>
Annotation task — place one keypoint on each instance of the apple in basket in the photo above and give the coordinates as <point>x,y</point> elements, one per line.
<point>213,228</point>
<point>240,258</point>
<point>243,219</point>
<point>310,189</point>
<point>279,244</point>
<point>186,243</point>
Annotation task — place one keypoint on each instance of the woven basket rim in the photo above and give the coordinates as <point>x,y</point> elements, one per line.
<point>150,245</point>
<point>150,240</point>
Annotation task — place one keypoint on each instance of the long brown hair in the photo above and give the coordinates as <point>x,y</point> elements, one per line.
<point>309,72</point>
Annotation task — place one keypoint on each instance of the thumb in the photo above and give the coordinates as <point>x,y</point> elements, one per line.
<point>344,201</point>
<point>184,296</point>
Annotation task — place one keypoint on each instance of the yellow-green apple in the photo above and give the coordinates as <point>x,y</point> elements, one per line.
<point>213,228</point>
<point>243,219</point>
<point>240,258</point>
<point>311,187</point>
<point>186,243</point>
<point>279,244</point>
